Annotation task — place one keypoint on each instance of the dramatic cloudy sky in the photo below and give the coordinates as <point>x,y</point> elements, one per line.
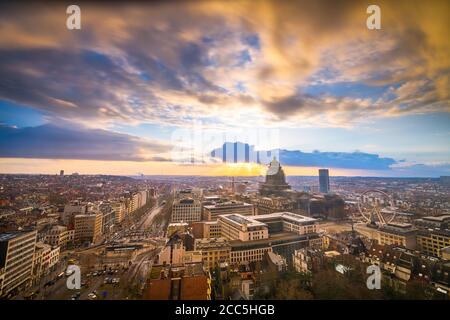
<point>122,94</point>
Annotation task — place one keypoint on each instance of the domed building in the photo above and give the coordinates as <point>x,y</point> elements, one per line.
<point>275,183</point>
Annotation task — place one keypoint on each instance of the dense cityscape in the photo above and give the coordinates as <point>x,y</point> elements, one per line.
<point>224,159</point>
<point>223,238</point>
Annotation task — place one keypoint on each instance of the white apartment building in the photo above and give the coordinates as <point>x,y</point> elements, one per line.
<point>239,227</point>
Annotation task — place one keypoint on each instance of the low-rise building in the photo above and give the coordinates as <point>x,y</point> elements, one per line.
<point>239,227</point>
<point>186,210</point>
<point>211,212</point>
<point>178,249</point>
<point>177,227</point>
<point>400,234</point>
<point>60,236</point>
<point>45,259</point>
<point>213,250</point>
<point>88,227</point>
<point>207,229</point>
<point>188,281</point>
<point>431,242</point>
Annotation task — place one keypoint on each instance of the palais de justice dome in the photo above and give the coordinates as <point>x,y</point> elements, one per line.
<point>275,183</point>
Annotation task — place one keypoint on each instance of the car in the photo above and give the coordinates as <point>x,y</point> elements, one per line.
<point>30,296</point>
<point>76,296</point>
<point>94,274</point>
<point>92,296</point>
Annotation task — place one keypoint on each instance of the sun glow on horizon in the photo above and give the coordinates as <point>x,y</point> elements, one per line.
<point>130,168</point>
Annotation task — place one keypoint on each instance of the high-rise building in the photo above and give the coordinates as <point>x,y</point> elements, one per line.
<point>16,260</point>
<point>324,181</point>
<point>61,173</point>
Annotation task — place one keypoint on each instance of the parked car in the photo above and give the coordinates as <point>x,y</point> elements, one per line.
<point>76,296</point>
<point>92,296</point>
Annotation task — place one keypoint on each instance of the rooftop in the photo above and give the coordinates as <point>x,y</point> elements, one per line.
<point>241,220</point>
<point>437,218</point>
<point>228,204</point>
<point>12,235</point>
<point>285,215</point>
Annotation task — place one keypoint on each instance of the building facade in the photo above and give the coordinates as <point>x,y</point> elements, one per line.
<point>88,227</point>
<point>212,212</point>
<point>324,181</point>
<point>186,210</point>
<point>60,236</point>
<point>213,250</point>
<point>16,259</point>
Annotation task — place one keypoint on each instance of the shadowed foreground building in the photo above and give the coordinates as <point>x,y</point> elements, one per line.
<point>186,281</point>
<point>16,260</point>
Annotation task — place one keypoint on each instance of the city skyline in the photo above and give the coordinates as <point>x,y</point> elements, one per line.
<point>111,98</point>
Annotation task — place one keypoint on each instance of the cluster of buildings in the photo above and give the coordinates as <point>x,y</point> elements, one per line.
<point>91,222</point>
<point>27,255</point>
<point>430,235</point>
<point>222,233</point>
<point>404,252</point>
<point>24,261</point>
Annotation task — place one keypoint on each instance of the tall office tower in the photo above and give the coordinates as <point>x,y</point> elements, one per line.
<point>61,173</point>
<point>324,181</point>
